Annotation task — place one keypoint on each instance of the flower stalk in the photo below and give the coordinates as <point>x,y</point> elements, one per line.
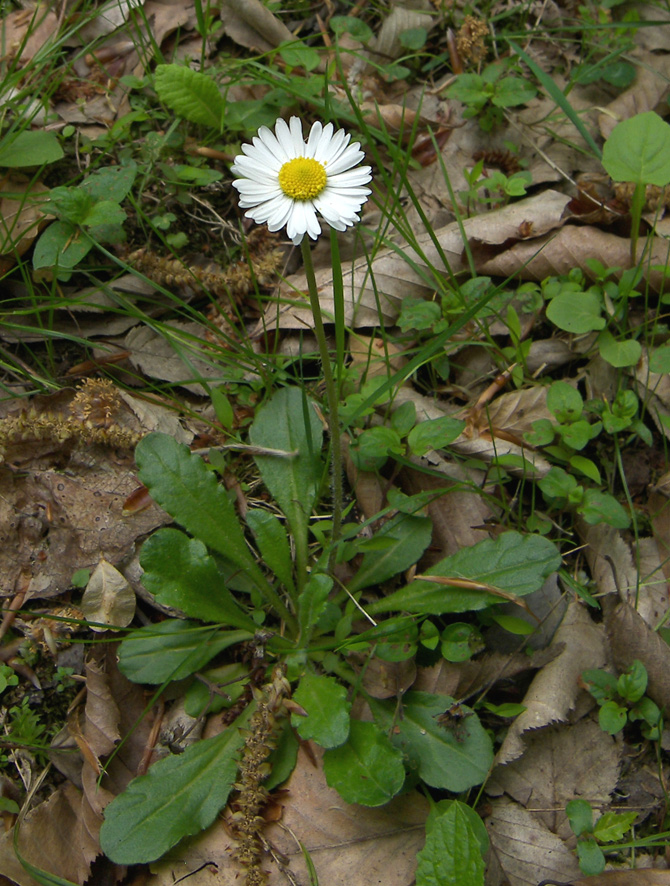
<point>332,397</point>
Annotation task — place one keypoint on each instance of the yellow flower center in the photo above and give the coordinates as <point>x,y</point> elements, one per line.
<point>302,178</point>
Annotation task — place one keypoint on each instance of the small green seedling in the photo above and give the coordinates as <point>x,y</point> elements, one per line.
<point>486,94</point>
<point>622,700</point>
<point>609,828</point>
<point>638,151</point>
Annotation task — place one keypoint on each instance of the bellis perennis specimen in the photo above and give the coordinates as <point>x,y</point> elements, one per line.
<point>285,180</point>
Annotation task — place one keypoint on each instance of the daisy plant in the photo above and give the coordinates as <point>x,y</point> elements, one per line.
<point>285,181</point>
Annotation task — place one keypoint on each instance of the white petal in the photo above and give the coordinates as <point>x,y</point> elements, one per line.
<point>290,140</point>
<point>262,155</point>
<point>352,178</point>
<point>245,166</point>
<point>351,156</point>
<point>314,138</point>
<point>329,149</point>
<point>268,140</point>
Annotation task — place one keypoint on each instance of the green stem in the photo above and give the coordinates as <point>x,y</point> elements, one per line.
<point>331,397</point>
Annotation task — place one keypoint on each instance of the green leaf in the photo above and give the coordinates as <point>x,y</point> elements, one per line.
<point>469,89</point>
<point>327,720</point>
<point>61,245</point>
<point>348,24</point>
<point>105,212</point>
<point>312,602</point>
<point>288,421</point>
<point>601,507</point>
<point>30,149</point>
<point>564,401</point>
<point>180,573</point>
<point>659,360</point>
<point>453,756</point>
<point>172,650</point>
<point>272,542</point>
<point>460,641</point>
<point>283,758</point>
<point>619,353</point>
<point>367,769</point>
<point>191,95</point>
<point>580,816</point>
<point>591,858</point>
<point>181,484</point>
<point>410,535</point>
<point>110,183</point>
<point>612,717</point>
<point>299,55</point>
<point>513,91</point>
<point>179,796</point>
<point>585,466</point>
<point>576,312</point>
<point>453,851</point>
<point>413,38</point>
<point>633,683</point>
<point>638,150</point>
<point>514,563</point>
<point>611,826</point>
<point>434,434</point>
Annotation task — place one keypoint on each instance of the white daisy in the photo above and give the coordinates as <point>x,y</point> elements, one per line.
<point>285,180</point>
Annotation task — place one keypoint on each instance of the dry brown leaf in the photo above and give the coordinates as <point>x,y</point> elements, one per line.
<point>526,849</point>
<point>463,679</point>
<point>559,764</point>
<point>42,24</point>
<point>612,564</point>
<point>568,248</point>
<point>395,279</point>
<point>55,523</point>
<point>626,878</point>
<point>654,389</point>
<point>20,217</point>
<point>631,638</point>
<point>348,844</point>
<point>155,355</point>
<point>554,691</point>
<point>516,411</point>
<point>252,25</point>
<point>51,839</point>
<point>646,93</point>
<point>459,515</point>
<point>386,45</point>
<point>108,598</point>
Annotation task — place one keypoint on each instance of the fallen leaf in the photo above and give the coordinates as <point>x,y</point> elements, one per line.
<point>631,638</point>
<point>395,279</point>
<point>553,693</point>
<point>559,764</point>
<point>347,843</point>
<point>108,598</point>
<point>527,851</point>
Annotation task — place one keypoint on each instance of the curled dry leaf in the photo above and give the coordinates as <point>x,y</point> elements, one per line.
<point>394,279</point>
<point>569,248</point>
<point>560,763</point>
<point>553,693</point>
<point>526,850</point>
<point>649,88</point>
<point>631,638</point>
<point>347,843</point>
<point>21,217</point>
<point>249,23</point>
<point>108,598</point>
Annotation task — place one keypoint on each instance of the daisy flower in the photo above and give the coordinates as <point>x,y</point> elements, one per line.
<point>285,180</point>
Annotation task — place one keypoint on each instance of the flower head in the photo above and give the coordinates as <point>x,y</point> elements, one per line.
<point>285,180</point>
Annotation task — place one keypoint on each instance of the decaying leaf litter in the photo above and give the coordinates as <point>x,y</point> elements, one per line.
<point>70,495</point>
